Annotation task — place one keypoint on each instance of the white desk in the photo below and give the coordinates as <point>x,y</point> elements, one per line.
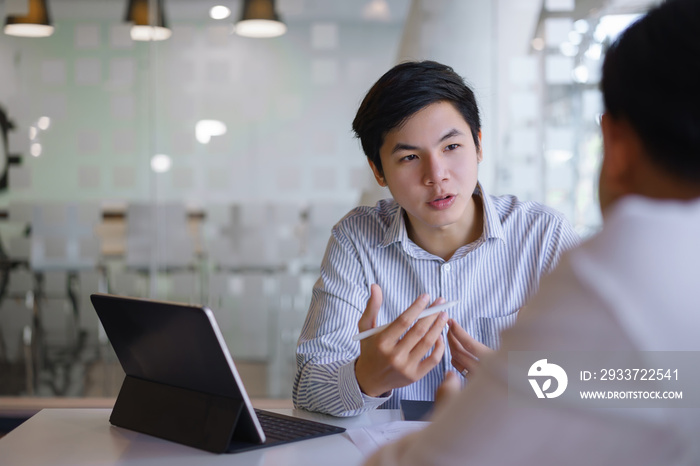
<point>75,437</point>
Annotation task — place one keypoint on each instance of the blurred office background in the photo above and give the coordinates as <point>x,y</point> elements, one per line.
<point>209,167</point>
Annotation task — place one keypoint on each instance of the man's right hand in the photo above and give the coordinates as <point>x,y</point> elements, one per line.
<point>387,360</point>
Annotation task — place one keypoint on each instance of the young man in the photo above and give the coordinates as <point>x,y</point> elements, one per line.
<point>631,290</point>
<point>440,238</point>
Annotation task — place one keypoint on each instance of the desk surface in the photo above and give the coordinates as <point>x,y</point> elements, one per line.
<point>74,437</point>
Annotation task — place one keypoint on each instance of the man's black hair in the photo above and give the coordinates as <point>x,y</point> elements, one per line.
<point>651,78</point>
<point>404,90</point>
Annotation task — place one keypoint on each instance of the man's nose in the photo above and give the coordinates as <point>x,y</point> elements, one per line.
<point>435,170</point>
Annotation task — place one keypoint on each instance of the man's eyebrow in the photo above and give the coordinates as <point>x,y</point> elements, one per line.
<point>400,146</point>
<point>450,134</point>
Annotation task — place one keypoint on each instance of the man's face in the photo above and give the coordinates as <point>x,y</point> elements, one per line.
<point>430,166</point>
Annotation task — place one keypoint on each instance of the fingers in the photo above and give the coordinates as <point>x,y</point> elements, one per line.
<point>458,331</point>
<point>465,366</point>
<point>454,342</point>
<point>466,351</point>
<point>374,303</point>
<point>403,322</point>
<point>419,331</point>
<point>425,365</point>
<point>424,334</point>
<point>463,340</point>
<point>461,358</point>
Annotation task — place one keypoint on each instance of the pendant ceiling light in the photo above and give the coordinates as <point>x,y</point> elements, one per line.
<point>36,23</point>
<point>259,18</point>
<point>148,20</point>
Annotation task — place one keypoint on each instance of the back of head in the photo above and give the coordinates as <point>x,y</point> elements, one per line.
<point>401,92</point>
<point>651,78</point>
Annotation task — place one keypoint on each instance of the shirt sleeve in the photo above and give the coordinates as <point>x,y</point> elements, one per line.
<point>563,238</point>
<point>325,379</point>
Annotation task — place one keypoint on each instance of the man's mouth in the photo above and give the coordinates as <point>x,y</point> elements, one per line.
<point>442,202</point>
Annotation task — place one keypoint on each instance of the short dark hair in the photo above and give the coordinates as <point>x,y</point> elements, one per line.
<point>404,90</point>
<point>651,79</point>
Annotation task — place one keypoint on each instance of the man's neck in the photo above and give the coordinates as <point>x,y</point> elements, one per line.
<point>653,182</point>
<point>445,242</point>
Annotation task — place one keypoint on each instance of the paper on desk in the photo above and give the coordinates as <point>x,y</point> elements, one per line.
<point>369,439</point>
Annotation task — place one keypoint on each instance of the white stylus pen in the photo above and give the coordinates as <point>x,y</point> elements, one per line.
<point>428,312</point>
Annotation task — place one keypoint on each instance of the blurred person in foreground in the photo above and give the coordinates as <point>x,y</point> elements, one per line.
<point>633,287</point>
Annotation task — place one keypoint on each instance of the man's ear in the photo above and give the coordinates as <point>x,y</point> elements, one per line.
<point>480,152</point>
<point>377,174</point>
<point>620,153</point>
<point>619,170</point>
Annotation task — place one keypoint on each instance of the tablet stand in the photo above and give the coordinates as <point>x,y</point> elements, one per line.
<point>192,418</point>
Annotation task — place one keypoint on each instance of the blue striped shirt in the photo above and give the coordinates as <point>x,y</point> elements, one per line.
<point>491,278</point>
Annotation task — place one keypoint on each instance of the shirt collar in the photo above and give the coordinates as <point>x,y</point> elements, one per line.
<point>493,228</point>
<point>396,232</point>
<point>492,223</point>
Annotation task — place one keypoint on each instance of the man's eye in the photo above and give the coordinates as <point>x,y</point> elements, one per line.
<point>408,157</point>
<point>452,147</point>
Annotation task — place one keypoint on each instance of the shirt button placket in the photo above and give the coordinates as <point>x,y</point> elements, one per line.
<point>444,279</point>
<point>444,285</point>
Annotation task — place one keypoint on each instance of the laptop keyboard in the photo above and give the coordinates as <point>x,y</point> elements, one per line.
<point>281,428</point>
